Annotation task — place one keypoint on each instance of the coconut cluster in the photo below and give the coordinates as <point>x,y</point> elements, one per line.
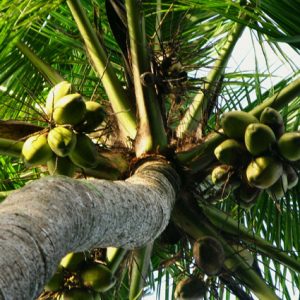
<point>80,277</point>
<point>66,144</point>
<point>257,155</point>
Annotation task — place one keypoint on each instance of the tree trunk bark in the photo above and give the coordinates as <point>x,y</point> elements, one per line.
<point>52,216</point>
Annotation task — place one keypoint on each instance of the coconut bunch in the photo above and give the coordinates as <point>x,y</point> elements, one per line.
<point>257,155</point>
<point>65,145</point>
<point>80,277</point>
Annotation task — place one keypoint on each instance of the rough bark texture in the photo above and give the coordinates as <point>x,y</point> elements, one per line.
<point>50,217</point>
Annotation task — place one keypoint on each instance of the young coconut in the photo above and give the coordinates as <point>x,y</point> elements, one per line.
<point>274,120</point>
<point>246,193</point>
<point>36,150</point>
<point>231,152</point>
<point>85,154</point>
<point>77,294</point>
<point>61,166</point>
<point>221,174</point>
<point>73,261</point>
<point>190,288</point>
<point>292,176</point>
<point>263,172</point>
<point>69,109</point>
<point>94,116</point>
<point>279,188</point>
<point>98,277</point>
<point>234,123</point>
<point>61,140</point>
<point>209,255</point>
<point>289,146</point>
<point>56,282</point>
<point>259,138</point>
<point>57,92</point>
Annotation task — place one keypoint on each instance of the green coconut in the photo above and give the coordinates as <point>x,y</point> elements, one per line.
<point>292,176</point>
<point>94,116</point>
<point>69,109</point>
<point>221,174</point>
<point>209,255</point>
<point>97,277</point>
<point>56,282</point>
<point>78,294</point>
<point>61,166</point>
<point>259,138</point>
<point>36,150</point>
<point>231,152</point>
<point>274,120</point>
<point>246,193</point>
<point>279,188</point>
<point>61,140</point>
<point>289,146</point>
<point>190,288</point>
<point>263,172</point>
<point>73,261</point>
<point>234,123</point>
<point>57,92</point>
<point>85,154</point>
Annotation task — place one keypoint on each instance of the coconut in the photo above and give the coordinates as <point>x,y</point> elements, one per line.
<point>94,116</point>
<point>209,255</point>
<point>84,154</point>
<point>61,166</point>
<point>77,294</point>
<point>221,174</point>
<point>234,123</point>
<point>98,277</point>
<point>279,188</point>
<point>292,176</point>
<point>36,150</point>
<point>231,152</point>
<point>56,282</point>
<point>289,146</point>
<point>246,193</point>
<point>57,92</point>
<point>274,120</point>
<point>263,172</point>
<point>190,288</point>
<point>73,261</point>
<point>259,138</point>
<point>69,109</point>
<point>61,140</point>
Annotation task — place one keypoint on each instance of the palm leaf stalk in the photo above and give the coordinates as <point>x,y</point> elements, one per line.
<point>46,70</point>
<point>194,114</point>
<point>116,259</point>
<point>151,133</point>
<point>201,156</point>
<point>119,100</point>
<point>227,224</point>
<point>194,224</point>
<point>140,267</point>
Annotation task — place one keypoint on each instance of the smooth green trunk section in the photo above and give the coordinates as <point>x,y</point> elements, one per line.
<point>46,70</point>
<point>117,96</point>
<point>196,157</point>
<point>198,107</point>
<point>140,267</point>
<point>227,224</point>
<point>195,225</point>
<point>10,147</point>
<point>151,133</point>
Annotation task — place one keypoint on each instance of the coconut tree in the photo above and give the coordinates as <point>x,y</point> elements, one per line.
<point>119,148</point>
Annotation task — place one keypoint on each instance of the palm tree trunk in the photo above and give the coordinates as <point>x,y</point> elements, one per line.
<point>52,216</point>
